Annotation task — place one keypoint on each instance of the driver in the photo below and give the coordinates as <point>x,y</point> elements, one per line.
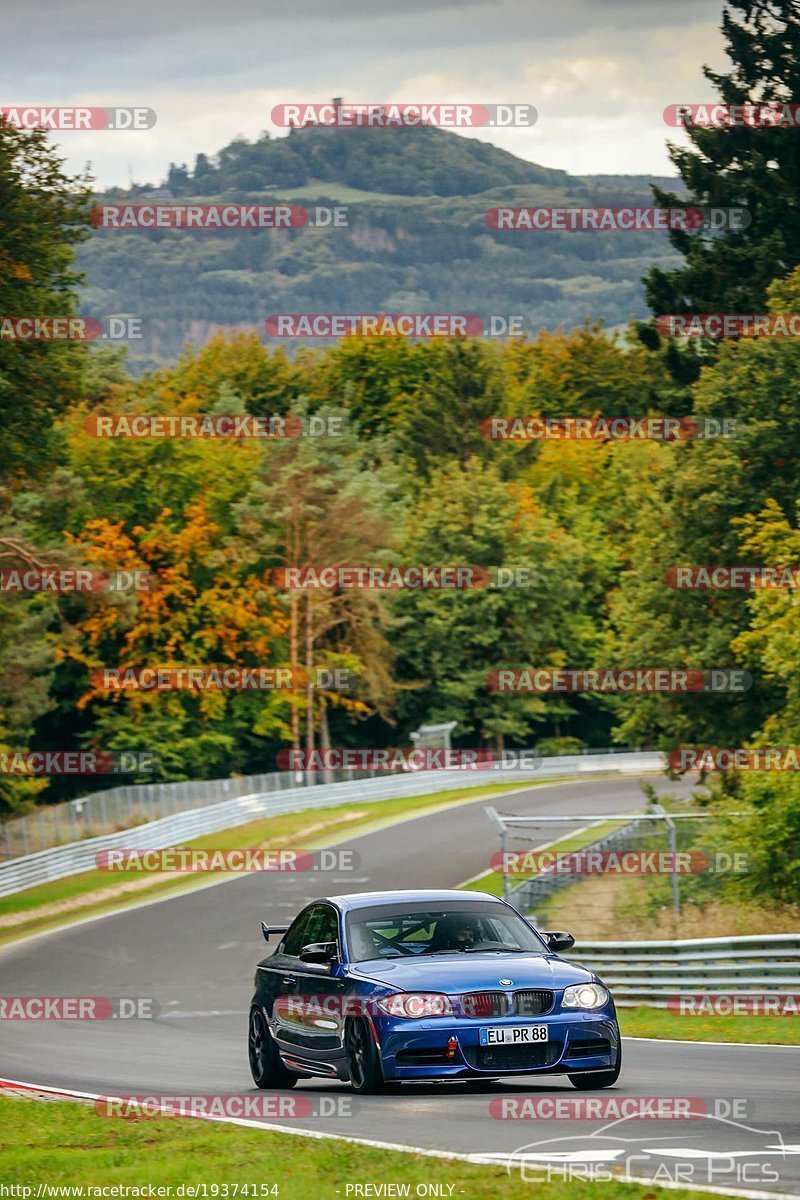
<point>458,932</point>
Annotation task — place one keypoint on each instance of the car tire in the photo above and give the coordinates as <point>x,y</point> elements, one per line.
<point>265,1063</point>
<point>363,1059</point>
<point>589,1081</point>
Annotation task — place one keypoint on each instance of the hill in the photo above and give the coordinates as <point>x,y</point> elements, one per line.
<point>406,161</point>
<point>416,240</point>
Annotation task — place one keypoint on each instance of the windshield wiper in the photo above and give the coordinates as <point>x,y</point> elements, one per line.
<point>493,950</point>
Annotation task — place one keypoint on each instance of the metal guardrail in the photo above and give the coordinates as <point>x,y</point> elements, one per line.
<point>111,809</point>
<point>46,865</point>
<point>652,972</point>
<point>115,808</point>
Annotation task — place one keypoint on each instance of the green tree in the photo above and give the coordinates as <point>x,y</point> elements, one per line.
<point>43,214</point>
<point>450,640</point>
<point>462,384</point>
<point>740,166</point>
<point>314,502</point>
<point>690,512</point>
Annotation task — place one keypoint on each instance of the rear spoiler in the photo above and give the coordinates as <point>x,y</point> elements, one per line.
<point>268,929</point>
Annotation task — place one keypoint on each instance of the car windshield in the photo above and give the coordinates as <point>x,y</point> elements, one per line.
<point>415,930</point>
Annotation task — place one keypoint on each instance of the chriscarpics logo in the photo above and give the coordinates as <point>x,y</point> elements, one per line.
<point>706,1151</point>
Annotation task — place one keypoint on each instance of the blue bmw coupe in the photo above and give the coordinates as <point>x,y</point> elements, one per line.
<point>402,986</point>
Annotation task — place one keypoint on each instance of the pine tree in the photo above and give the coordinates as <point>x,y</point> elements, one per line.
<point>754,167</point>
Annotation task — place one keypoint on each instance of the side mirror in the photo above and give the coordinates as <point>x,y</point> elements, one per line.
<point>558,941</point>
<point>319,952</point>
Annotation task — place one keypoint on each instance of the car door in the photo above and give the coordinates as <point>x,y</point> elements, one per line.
<point>280,981</point>
<point>321,987</point>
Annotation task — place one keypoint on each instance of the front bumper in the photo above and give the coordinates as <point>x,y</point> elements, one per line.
<point>580,1041</point>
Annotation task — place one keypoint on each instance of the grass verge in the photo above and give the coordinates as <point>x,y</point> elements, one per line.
<point>68,1144</point>
<point>658,1023</point>
<point>619,908</point>
<point>92,893</point>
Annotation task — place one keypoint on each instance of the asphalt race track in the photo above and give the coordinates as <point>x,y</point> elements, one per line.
<point>195,955</point>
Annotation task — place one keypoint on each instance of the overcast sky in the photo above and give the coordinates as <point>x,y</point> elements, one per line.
<point>600,72</point>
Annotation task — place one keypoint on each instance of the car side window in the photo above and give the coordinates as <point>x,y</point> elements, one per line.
<point>318,923</point>
<point>295,939</point>
<point>323,925</point>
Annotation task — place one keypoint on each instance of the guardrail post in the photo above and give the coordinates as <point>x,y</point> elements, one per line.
<point>506,880</point>
<point>673,847</point>
<point>673,851</point>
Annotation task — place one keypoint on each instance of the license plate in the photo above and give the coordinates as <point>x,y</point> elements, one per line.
<point>517,1035</point>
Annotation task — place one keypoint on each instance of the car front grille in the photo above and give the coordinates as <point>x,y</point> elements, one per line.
<point>533,1003</point>
<point>589,1046</point>
<point>484,1004</point>
<point>512,1058</point>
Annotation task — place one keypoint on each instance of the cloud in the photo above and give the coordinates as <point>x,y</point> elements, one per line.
<point>600,72</point>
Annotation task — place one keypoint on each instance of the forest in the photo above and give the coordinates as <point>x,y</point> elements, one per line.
<point>387,463</point>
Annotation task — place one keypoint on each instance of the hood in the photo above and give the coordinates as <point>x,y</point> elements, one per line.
<point>459,972</point>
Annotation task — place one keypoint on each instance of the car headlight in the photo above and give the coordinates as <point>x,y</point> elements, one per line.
<point>416,1005</point>
<point>585,995</point>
